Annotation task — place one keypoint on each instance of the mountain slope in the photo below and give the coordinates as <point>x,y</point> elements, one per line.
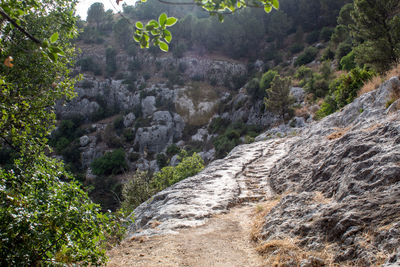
<point>338,182</point>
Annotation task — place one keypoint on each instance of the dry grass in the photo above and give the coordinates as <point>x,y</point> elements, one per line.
<point>281,252</point>
<point>376,81</point>
<point>261,211</point>
<point>338,134</point>
<point>320,198</point>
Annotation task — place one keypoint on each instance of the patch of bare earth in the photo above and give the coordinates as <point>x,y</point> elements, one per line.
<point>225,240</point>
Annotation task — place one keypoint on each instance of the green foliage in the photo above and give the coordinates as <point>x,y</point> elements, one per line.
<point>229,136</point>
<point>312,37</point>
<point>326,34</point>
<point>342,50</point>
<point>110,163</point>
<point>348,62</point>
<point>296,48</point>
<point>343,91</point>
<point>118,123</point>
<point>111,61</point>
<point>328,107</point>
<point>189,166</point>
<point>224,143</point>
<point>266,79</point>
<point>376,30</point>
<point>96,13</point>
<point>135,191</point>
<point>278,98</point>
<point>218,125</point>
<point>172,149</point>
<point>307,56</point>
<point>47,221</point>
<point>45,217</point>
<point>317,85</point>
<point>162,160</point>
<point>349,85</point>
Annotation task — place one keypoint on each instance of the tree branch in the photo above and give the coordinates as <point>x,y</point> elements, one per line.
<point>13,22</point>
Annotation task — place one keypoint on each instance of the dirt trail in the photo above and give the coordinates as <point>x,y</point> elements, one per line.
<point>223,241</point>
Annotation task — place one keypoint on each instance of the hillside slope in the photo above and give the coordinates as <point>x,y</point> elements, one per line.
<point>337,182</point>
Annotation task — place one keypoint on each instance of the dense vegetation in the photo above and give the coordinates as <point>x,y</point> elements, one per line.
<point>330,48</point>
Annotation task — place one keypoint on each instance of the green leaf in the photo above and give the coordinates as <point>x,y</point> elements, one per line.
<point>163,46</point>
<point>139,25</point>
<point>171,21</point>
<point>167,36</point>
<point>275,4</point>
<point>162,19</point>
<point>268,8</point>
<point>54,37</point>
<point>221,17</point>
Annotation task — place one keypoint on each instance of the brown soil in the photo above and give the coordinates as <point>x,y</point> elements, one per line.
<point>223,241</point>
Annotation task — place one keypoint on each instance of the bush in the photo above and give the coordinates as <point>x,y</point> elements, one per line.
<point>349,84</point>
<point>342,50</point>
<point>307,56</point>
<point>118,123</point>
<point>169,175</point>
<point>111,163</point>
<point>326,34</point>
<point>172,150</point>
<point>312,37</point>
<point>328,107</point>
<point>348,62</point>
<point>328,54</point>
<point>266,79</point>
<point>45,221</point>
<point>162,160</point>
<point>218,125</point>
<point>296,48</point>
<point>135,191</point>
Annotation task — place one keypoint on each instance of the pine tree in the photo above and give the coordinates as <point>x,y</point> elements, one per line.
<point>376,31</point>
<point>278,98</point>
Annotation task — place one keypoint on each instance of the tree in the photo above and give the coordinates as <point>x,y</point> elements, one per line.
<point>45,217</point>
<point>279,99</point>
<point>155,31</point>
<point>96,14</point>
<point>376,31</point>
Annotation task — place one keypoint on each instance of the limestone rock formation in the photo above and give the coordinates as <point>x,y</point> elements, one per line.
<point>338,181</point>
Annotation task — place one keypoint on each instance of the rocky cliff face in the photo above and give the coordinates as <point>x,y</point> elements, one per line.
<point>173,105</point>
<point>337,181</point>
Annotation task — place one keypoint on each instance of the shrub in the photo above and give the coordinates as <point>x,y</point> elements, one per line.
<point>296,48</point>
<point>253,89</point>
<point>133,156</point>
<point>328,54</point>
<point>307,56</point>
<point>162,160</point>
<point>349,84</point>
<point>328,107</point>
<point>48,222</point>
<point>135,191</point>
<point>169,175</point>
<point>266,79</point>
<point>342,50</point>
<point>326,34</point>
<point>111,163</point>
<point>129,135</point>
<point>348,62</point>
<point>172,150</point>
<point>118,123</point>
<point>312,37</point>
<point>218,125</point>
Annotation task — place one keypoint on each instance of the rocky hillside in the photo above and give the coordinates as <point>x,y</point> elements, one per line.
<point>335,186</point>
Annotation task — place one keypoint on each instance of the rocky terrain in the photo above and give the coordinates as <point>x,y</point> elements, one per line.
<point>335,186</point>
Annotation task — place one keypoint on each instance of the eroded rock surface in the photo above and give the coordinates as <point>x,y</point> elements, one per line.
<point>338,181</point>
